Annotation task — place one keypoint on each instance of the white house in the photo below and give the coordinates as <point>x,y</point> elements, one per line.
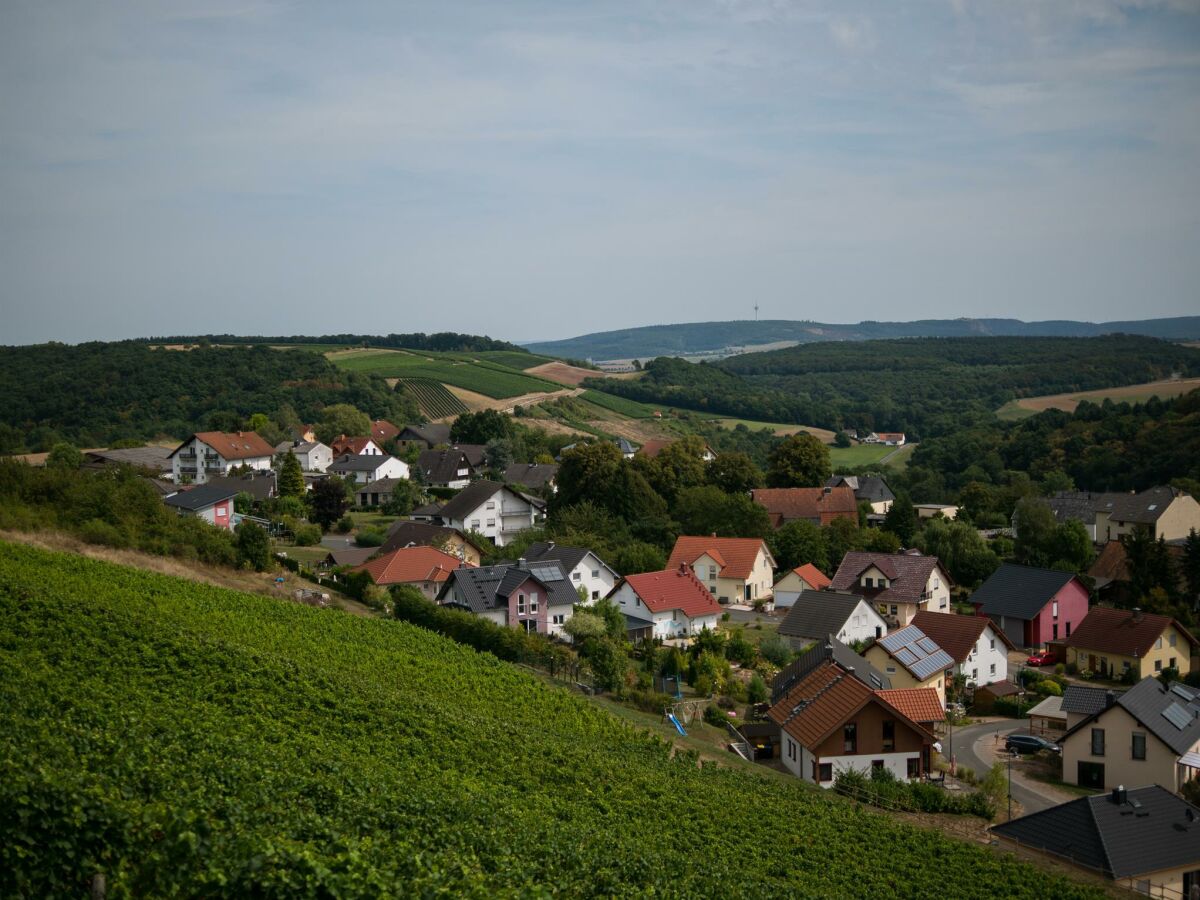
<point>675,600</point>
<point>585,569</point>
<point>366,468</point>
<point>794,582</point>
<point>313,456</point>
<point>489,508</point>
<point>979,648</point>
<point>209,453</point>
<point>818,614</point>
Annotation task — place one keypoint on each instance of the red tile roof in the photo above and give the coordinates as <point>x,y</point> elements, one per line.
<point>820,505</point>
<point>355,445</point>
<point>736,556</point>
<point>652,448</point>
<point>813,577</point>
<point>919,704</point>
<point>907,575</point>
<point>383,430</point>
<point>955,634</point>
<point>235,445</point>
<point>1112,564</point>
<point>1117,631</point>
<point>676,588</point>
<point>410,565</point>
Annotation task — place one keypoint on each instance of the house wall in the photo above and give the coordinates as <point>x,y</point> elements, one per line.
<point>457,546</point>
<point>1072,603</point>
<point>196,471</point>
<point>1181,517</point>
<point>1014,629</point>
<point>518,613</point>
<point>900,676</point>
<point>988,660</point>
<point>1163,883</point>
<point>593,576</point>
<point>1159,767</point>
<point>938,591</point>
<point>788,588</point>
<point>219,514</point>
<point>557,617</point>
<point>1155,660</point>
<point>317,459</point>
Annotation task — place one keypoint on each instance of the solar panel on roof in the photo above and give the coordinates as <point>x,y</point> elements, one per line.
<point>1181,691</point>
<point>1177,716</point>
<point>928,645</point>
<point>906,656</point>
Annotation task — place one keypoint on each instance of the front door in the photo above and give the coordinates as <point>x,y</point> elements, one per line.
<point>1091,775</point>
<point>747,593</point>
<point>1092,662</point>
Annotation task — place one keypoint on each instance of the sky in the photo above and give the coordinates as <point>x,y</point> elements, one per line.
<point>538,170</point>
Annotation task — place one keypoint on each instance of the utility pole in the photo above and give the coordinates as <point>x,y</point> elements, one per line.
<point>755,312</point>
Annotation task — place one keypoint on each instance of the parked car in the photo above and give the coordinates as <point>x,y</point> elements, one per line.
<point>1042,658</point>
<point>1029,743</point>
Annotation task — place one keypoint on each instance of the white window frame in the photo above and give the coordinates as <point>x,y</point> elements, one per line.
<point>520,604</point>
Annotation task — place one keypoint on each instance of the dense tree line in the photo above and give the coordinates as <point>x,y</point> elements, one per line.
<point>96,394</point>
<point>446,341</point>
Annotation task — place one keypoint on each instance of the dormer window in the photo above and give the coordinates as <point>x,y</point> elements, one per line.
<point>868,582</point>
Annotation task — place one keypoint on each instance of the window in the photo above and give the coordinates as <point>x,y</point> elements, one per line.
<point>850,738</point>
<point>560,619</point>
<point>1139,745</point>
<point>575,576</point>
<point>520,604</point>
<point>1171,663</point>
<point>868,582</point>
<point>221,511</point>
<point>825,772</point>
<point>1158,665</point>
<point>891,670</point>
<point>1054,632</point>
<point>1172,639</point>
<point>595,573</point>
<point>791,749</point>
<point>913,767</point>
<point>530,626</point>
<point>992,644</point>
<point>876,764</point>
<point>491,523</point>
<point>1054,609</point>
<point>1097,742</point>
<point>1068,629</point>
<point>889,735</point>
<point>895,609</point>
<point>595,595</point>
<point>533,601</point>
<point>1158,643</point>
<point>992,669</point>
<point>975,675</point>
<point>474,524</point>
<point>712,572</point>
<point>491,504</point>
<point>1143,886</point>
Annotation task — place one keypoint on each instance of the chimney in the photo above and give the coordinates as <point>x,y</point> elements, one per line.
<point>683,567</point>
<point>1137,614</point>
<point>714,534</point>
<point>1119,794</point>
<point>1109,699</point>
<point>521,563</point>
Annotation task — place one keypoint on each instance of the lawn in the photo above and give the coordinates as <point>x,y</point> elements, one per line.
<point>309,555</point>
<point>858,455</point>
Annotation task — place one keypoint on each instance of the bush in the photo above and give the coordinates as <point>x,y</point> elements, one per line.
<point>1007,706</point>
<point>776,650</point>
<point>757,690</point>
<point>1059,669</point>
<point>714,715</point>
<point>378,599</point>
<point>370,537</point>
<point>97,531</point>
<point>307,535</point>
<point>1071,668</point>
<point>882,788</point>
<point>648,701</point>
<point>345,525</point>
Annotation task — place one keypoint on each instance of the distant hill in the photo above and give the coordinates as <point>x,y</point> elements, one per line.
<point>732,337</point>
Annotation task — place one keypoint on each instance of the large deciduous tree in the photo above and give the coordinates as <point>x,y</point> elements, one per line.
<point>798,461</point>
<point>734,473</point>
<point>342,418</point>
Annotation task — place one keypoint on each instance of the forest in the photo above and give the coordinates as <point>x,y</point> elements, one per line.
<point>96,394</point>
<point>444,341</point>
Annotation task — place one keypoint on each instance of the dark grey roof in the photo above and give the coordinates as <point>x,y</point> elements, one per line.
<point>442,466</point>
<point>1078,698</point>
<point>1019,591</point>
<point>470,498</point>
<point>260,484</point>
<point>831,650</point>
<point>487,587</point>
<point>429,509</point>
<point>473,452</point>
<point>358,462</point>
<point>871,488</point>
<point>818,613</point>
<point>570,557</point>
<point>476,587</point>
<point>1078,505</point>
<point>1144,508</point>
<point>1151,830</point>
<point>531,475</point>
<point>431,434</point>
<point>157,458</point>
<point>381,486</point>
<point>404,533</point>
<point>201,496</point>
<point>633,623</point>
<point>351,556</point>
<point>624,446</point>
<point>1172,714</point>
<point>295,446</point>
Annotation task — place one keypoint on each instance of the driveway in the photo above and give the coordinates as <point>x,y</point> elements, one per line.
<point>977,747</point>
<point>337,542</point>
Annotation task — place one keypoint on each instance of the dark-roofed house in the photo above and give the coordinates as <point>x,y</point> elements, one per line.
<point>898,584</point>
<point>585,569</point>
<point>831,722</point>
<point>1166,512</point>
<point>448,468</point>
<point>1081,701</point>
<point>829,652</point>
<point>820,506</point>
<point>258,484</point>
<point>313,456</point>
<point>1114,642</point>
<point>977,646</point>
<point>867,488</point>
<point>377,493</point>
<point>817,614</point>
<point>675,600</point>
<point>912,659</point>
<point>533,597</point>
<point>211,502</point>
<point>350,556</point>
<point>154,459</point>
<point>366,468</point>
<point>1032,606</point>
<point>1148,735</point>
<point>491,509</point>
<point>1144,838</point>
<point>427,436</point>
<point>208,453</point>
<point>404,533</point>
<point>1078,506</point>
<point>532,476</point>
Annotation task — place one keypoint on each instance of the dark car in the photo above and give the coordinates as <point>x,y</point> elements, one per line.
<point>1029,743</point>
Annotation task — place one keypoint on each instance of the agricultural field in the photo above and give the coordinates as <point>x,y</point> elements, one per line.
<point>180,739</point>
<point>488,378</point>
<point>862,454</point>
<point>435,400</point>
<point>563,373</point>
<point>522,362</point>
<point>779,428</point>
<point>1025,407</point>
<point>631,408</point>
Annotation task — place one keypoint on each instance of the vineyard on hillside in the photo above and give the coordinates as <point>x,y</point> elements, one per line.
<point>435,401</point>
<point>180,739</point>
<point>626,407</point>
<point>481,376</point>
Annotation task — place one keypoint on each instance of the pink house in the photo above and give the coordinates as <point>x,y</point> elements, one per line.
<point>529,606</point>
<point>1032,606</point>
<point>211,502</point>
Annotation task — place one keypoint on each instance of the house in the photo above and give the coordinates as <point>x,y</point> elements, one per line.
<point>1031,605</point>
<point>208,453</point>
<point>1114,642</point>
<point>427,436</point>
<point>979,649</point>
<point>1166,512</point>
<point>1110,572</point>
<point>212,503</point>
<point>1148,735</point>
<point>383,431</point>
<point>933,510</point>
<point>350,556</point>
<point>655,446</point>
<point>1048,719</point>
<point>735,570</point>
<point>449,468</point>
<point>832,722</point>
<point>1079,506</point>
<point>918,704</point>
<point>984,699</point>
<point>628,451</point>
<point>867,489</point>
<point>818,614</point>
<point>675,600</point>
<point>1081,701</point>
<point>830,652</point>
<point>494,510</point>
<point>898,584</point>
<point>890,438</point>
<point>366,468</point>
<point>817,505</point>
<point>424,568</point>
<point>377,493</point>
<point>532,476</point>
<point>260,485</point>
<point>585,569</point>
<point>795,581</point>
<point>427,513</point>
<point>152,459</point>
<point>534,597</point>
<point>1145,839</point>
<point>404,533</point>
<point>910,658</point>
<point>313,456</point>
<point>356,446</point>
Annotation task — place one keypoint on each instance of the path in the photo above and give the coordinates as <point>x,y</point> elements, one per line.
<point>894,452</point>
<point>976,748</point>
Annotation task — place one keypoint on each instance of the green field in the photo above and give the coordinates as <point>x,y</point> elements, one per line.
<point>435,400</point>
<point>512,359</point>
<point>630,408</point>
<point>867,455</point>
<point>484,377</point>
<point>184,740</point>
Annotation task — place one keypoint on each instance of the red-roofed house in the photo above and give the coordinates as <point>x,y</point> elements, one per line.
<point>355,446</point>
<point>674,600</point>
<point>735,570</point>
<point>820,505</point>
<point>919,704</point>
<point>425,568</point>
<point>1111,642</point>
<point>978,646</point>
<point>795,581</point>
<point>655,446</point>
<point>210,453</point>
<point>898,584</point>
<point>832,722</point>
<point>383,431</point>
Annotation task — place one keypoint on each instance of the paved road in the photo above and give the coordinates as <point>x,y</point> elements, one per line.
<point>972,747</point>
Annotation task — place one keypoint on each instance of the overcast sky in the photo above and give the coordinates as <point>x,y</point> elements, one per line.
<point>539,170</point>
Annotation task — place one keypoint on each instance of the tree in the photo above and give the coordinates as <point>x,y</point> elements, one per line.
<point>960,549</point>
<point>901,519</point>
<point>679,465</point>
<point>841,536</point>
<point>498,454</point>
<point>64,456</point>
<point>1191,563</point>
<point>799,542</point>
<point>734,473</point>
<point>608,661</point>
<point>405,495</point>
<point>841,440</point>
<point>709,510</point>
<point>1034,524</point>
<point>328,501</point>
<point>481,427</point>
<point>756,691</point>
<point>798,461</point>
<point>342,418</point>
<point>291,477</point>
<point>635,557</point>
<point>253,546</point>
<point>1071,547</point>
<point>583,625</point>
<point>776,650</point>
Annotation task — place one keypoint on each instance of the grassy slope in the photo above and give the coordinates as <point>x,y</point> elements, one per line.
<point>184,739</point>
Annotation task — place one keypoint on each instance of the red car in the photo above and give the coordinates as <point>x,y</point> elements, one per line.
<point>1042,658</point>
